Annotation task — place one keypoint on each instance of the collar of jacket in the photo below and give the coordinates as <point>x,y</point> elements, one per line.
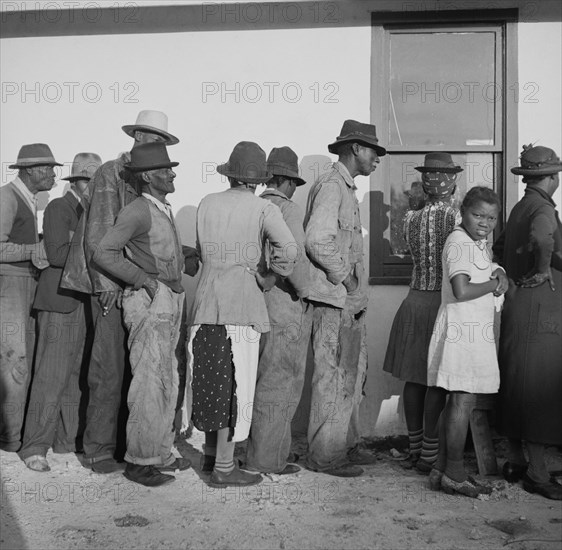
<point>543,194</point>
<point>344,172</point>
<point>274,192</point>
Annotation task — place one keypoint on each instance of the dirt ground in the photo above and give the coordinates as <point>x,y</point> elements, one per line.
<point>389,507</point>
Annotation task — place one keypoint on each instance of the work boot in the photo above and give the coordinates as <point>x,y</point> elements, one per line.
<point>148,476</point>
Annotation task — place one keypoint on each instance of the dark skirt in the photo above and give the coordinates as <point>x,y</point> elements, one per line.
<point>214,386</point>
<point>406,354</point>
<point>530,358</point>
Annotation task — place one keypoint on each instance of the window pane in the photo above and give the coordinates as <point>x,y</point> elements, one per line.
<point>406,192</point>
<point>443,90</point>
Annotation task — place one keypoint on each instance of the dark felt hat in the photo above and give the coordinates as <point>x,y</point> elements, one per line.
<point>439,162</point>
<point>246,163</point>
<point>537,161</point>
<point>353,131</point>
<point>35,154</point>
<point>150,156</point>
<point>283,161</point>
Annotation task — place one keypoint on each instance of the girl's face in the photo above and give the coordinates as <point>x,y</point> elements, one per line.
<point>480,219</point>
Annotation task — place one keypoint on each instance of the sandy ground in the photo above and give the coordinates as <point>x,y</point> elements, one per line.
<point>389,507</point>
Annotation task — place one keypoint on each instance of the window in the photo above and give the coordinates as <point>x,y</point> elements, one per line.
<point>437,86</point>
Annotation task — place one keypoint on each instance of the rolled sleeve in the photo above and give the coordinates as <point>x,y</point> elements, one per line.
<point>283,248</point>
<point>321,233</point>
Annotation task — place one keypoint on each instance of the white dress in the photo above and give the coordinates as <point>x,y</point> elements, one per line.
<point>462,352</point>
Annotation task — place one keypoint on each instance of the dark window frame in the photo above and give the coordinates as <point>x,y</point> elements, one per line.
<point>387,269</point>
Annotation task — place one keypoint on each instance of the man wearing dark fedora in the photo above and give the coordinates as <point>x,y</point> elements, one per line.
<point>150,261</point>
<point>230,313</point>
<point>22,255</point>
<point>283,349</point>
<point>108,194</point>
<point>334,243</point>
<point>63,318</point>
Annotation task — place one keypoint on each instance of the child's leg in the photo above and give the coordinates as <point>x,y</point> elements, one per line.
<point>457,416</point>
<point>414,396</point>
<point>537,464</point>
<point>225,451</point>
<point>515,452</point>
<point>434,402</point>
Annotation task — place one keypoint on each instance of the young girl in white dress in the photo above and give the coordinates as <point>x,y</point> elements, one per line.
<point>462,352</point>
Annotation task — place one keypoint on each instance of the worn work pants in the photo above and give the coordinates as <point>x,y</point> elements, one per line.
<point>105,381</point>
<point>338,341</point>
<point>280,380</point>
<point>52,418</point>
<point>17,343</point>
<point>154,329</point>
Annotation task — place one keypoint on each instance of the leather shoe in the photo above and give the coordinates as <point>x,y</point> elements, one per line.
<point>236,478</point>
<point>288,470</point>
<point>107,466</point>
<point>549,489</point>
<point>423,466</point>
<point>346,470</point>
<point>360,457</point>
<point>37,463</point>
<point>513,472</point>
<point>469,487</point>
<point>179,463</point>
<point>434,479</point>
<point>149,476</point>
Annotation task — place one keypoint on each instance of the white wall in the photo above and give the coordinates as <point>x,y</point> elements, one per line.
<point>167,72</point>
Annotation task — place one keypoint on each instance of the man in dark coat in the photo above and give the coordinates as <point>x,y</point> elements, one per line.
<point>52,419</point>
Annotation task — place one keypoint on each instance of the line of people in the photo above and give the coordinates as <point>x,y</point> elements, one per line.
<point>271,280</point>
<point>446,335</point>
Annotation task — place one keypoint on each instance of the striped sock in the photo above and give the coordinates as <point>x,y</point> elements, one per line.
<point>430,448</point>
<point>415,439</point>
<point>224,467</point>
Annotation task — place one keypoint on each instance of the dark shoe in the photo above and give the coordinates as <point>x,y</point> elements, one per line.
<point>469,487</point>
<point>423,466</point>
<point>347,470</point>
<point>180,464</point>
<point>107,466</point>
<point>435,479</point>
<point>236,478</point>
<point>549,489</point>
<point>37,463</point>
<point>360,457</point>
<point>409,461</point>
<point>149,476</point>
<point>288,470</point>
<point>513,472</point>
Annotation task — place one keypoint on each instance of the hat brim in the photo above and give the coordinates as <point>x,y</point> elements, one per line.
<point>225,170</point>
<point>544,171</point>
<point>32,164</point>
<point>74,178</point>
<point>130,130</point>
<point>442,169</point>
<point>333,147</point>
<point>133,168</point>
<point>287,174</point>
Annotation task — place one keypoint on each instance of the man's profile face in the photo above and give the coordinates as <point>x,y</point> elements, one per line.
<point>42,177</point>
<point>148,137</point>
<point>162,180</point>
<point>367,160</point>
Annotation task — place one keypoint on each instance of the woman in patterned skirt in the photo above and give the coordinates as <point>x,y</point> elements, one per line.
<point>425,232</point>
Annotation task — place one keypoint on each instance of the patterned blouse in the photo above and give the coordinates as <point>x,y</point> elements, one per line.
<point>426,231</point>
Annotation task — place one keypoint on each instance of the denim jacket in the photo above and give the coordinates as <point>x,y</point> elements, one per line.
<point>334,241</point>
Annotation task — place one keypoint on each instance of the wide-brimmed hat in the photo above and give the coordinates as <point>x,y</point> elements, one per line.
<point>35,154</point>
<point>83,166</point>
<point>353,131</point>
<point>150,156</point>
<point>246,163</point>
<point>283,161</point>
<point>439,162</point>
<point>537,161</point>
<point>151,121</point>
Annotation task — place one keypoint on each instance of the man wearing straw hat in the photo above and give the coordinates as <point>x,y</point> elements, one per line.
<point>153,308</point>
<point>63,320</point>
<point>109,194</point>
<point>21,255</point>
<point>283,349</point>
<point>334,243</point>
